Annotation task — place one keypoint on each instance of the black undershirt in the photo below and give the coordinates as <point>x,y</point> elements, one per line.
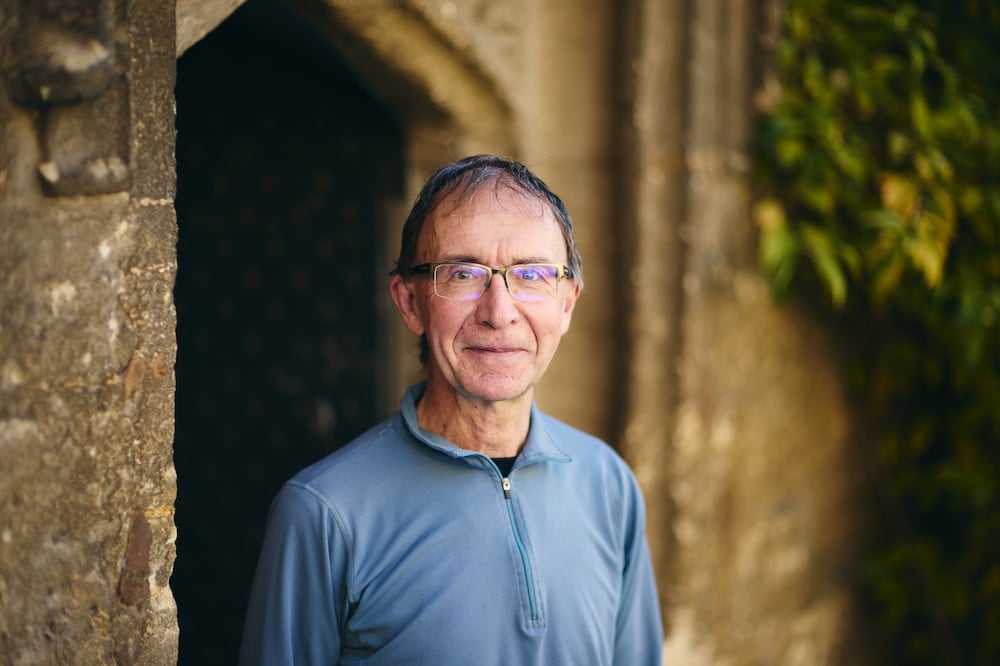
<point>505,465</point>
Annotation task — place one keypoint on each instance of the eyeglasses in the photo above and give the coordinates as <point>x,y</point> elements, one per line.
<point>463,281</point>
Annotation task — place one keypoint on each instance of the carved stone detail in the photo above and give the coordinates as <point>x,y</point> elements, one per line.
<point>62,63</point>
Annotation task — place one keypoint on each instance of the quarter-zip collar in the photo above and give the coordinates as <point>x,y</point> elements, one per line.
<point>539,446</point>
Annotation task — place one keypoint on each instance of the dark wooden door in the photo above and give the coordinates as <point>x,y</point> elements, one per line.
<point>284,162</point>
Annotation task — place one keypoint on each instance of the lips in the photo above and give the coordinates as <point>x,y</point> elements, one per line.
<point>488,349</point>
<point>493,348</point>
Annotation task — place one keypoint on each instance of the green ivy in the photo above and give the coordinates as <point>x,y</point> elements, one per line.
<point>879,174</point>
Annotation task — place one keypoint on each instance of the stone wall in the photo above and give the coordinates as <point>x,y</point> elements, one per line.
<point>87,263</point>
<point>732,410</point>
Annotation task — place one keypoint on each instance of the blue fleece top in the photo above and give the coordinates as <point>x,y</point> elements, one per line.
<point>402,548</point>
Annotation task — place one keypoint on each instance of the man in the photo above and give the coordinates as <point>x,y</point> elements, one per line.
<point>469,528</point>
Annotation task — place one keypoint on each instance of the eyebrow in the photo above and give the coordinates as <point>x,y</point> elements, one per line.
<point>468,259</point>
<point>474,260</point>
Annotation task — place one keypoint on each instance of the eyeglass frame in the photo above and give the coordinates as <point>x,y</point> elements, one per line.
<point>430,269</point>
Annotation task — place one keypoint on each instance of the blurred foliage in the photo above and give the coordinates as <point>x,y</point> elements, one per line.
<point>878,159</point>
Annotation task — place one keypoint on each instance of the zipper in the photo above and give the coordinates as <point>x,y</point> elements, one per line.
<point>532,604</point>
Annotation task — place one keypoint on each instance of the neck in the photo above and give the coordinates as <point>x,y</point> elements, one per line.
<point>495,429</point>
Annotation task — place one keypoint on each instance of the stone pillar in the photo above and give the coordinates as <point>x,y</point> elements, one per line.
<point>763,487</point>
<point>565,136</point>
<point>87,345</point>
<point>650,210</point>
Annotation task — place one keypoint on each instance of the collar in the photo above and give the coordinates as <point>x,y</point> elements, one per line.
<point>539,446</point>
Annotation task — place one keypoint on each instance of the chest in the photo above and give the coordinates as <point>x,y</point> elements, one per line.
<point>466,559</point>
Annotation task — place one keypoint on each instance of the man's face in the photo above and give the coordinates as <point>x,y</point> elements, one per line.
<point>494,348</point>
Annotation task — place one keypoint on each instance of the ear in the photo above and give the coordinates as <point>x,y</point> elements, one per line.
<point>405,297</point>
<point>569,302</point>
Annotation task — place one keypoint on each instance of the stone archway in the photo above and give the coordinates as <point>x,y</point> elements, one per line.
<point>262,369</point>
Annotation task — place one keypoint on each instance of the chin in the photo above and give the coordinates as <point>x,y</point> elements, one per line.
<point>496,389</point>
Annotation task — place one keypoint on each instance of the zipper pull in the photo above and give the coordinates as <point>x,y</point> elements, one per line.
<point>506,487</point>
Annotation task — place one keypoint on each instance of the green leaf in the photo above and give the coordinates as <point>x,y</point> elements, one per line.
<point>822,248</point>
<point>778,247</point>
<point>920,116</point>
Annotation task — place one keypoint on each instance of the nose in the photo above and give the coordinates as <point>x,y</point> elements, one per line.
<point>496,307</point>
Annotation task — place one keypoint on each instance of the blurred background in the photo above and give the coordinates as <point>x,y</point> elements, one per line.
<point>789,215</point>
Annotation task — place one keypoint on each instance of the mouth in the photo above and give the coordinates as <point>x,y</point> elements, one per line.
<point>493,349</point>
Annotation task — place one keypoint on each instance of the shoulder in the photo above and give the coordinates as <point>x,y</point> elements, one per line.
<point>376,451</point>
<point>577,443</point>
<point>331,490</point>
<point>590,455</point>
<point>568,435</point>
<point>600,480</point>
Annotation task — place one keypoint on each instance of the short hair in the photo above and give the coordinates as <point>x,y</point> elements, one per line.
<point>467,177</point>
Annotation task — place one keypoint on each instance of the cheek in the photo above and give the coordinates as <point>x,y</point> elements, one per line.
<point>549,330</point>
<point>445,321</point>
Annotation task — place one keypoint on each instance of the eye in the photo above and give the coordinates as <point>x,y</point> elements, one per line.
<point>533,273</point>
<point>464,273</point>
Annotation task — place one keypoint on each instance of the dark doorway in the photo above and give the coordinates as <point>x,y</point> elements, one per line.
<point>285,164</point>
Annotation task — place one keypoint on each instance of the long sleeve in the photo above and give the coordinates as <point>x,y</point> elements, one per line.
<point>299,596</point>
<point>639,632</point>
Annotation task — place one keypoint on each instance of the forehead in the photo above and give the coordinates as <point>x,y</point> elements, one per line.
<point>501,219</point>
